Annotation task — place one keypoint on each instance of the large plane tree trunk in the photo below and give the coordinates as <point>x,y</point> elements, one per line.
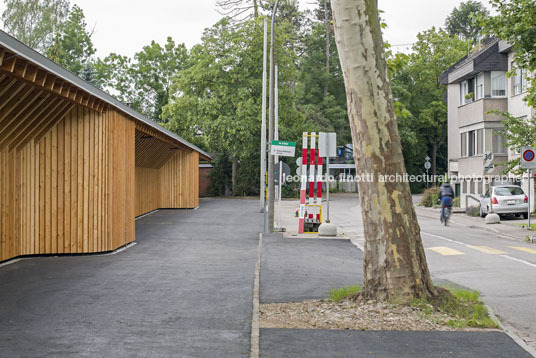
<point>394,265</point>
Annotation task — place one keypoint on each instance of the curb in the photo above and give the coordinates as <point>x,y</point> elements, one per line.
<point>255,317</point>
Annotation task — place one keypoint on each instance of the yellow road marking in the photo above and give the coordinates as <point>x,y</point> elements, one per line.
<point>445,251</point>
<point>526,249</point>
<point>487,250</point>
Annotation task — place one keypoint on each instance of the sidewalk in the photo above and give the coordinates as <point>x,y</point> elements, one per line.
<point>184,290</point>
<point>295,269</point>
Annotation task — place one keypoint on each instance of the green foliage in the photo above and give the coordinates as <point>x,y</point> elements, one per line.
<point>220,176</point>
<point>327,111</point>
<point>34,22</point>
<point>418,96</point>
<point>216,101</point>
<point>456,202</point>
<point>463,20</point>
<point>518,132</point>
<point>430,197</point>
<point>463,305</point>
<point>144,82</point>
<point>473,211</point>
<point>467,309</point>
<point>72,47</point>
<point>341,293</point>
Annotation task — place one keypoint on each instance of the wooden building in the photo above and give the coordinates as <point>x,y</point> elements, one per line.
<point>76,165</point>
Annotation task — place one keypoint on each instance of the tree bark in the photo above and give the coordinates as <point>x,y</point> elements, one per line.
<point>394,264</point>
<point>234,169</point>
<point>327,52</point>
<point>434,158</point>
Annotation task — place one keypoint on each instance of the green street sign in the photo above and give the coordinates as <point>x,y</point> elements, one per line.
<point>283,148</point>
<point>284,143</point>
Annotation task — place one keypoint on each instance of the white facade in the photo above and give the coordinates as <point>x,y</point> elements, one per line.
<point>477,85</point>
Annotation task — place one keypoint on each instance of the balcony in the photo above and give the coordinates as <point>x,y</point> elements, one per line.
<point>476,111</point>
<point>475,165</point>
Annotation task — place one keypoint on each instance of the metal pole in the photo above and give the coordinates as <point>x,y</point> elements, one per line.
<point>279,194</point>
<point>490,196</point>
<point>528,198</point>
<point>276,110</point>
<point>263,121</point>
<point>327,188</point>
<point>271,128</point>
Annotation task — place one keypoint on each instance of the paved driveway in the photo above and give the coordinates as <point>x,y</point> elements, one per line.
<point>185,290</point>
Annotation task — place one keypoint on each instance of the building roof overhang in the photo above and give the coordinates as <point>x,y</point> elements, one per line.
<point>12,49</point>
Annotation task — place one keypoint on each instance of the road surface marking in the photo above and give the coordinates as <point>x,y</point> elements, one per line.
<point>487,250</point>
<point>464,244</point>
<point>526,249</point>
<point>445,251</point>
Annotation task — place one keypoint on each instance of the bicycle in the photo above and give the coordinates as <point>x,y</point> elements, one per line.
<point>446,208</point>
<point>445,214</point>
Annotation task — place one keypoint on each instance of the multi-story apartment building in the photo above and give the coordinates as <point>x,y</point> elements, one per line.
<point>477,85</point>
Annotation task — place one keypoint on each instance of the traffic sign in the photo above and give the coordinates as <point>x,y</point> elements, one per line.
<point>283,148</point>
<point>528,158</point>
<point>327,144</point>
<point>427,158</point>
<point>427,165</point>
<point>489,167</point>
<point>488,156</point>
<point>285,174</point>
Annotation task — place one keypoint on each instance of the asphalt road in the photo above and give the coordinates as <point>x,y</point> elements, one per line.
<point>502,270</point>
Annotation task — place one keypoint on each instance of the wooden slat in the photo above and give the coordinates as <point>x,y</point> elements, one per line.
<point>33,123</point>
<point>53,121</point>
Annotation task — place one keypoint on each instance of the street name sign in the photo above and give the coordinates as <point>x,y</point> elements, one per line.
<point>528,158</point>
<point>283,148</point>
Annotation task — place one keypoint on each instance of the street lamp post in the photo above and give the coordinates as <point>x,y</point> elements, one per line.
<point>263,122</point>
<point>271,196</point>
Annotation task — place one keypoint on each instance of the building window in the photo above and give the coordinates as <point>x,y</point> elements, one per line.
<point>463,142</point>
<point>467,89</point>
<point>479,93</point>
<point>498,84</point>
<point>498,142</point>
<point>519,81</point>
<point>463,92</point>
<point>479,141</point>
<point>472,144</point>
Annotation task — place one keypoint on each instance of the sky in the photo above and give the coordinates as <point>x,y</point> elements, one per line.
<point>125,26</point>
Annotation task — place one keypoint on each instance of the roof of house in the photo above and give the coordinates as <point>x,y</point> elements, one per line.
<point>488,58</point>
<point>29,54</point>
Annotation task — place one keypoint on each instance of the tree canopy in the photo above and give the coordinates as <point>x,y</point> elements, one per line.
<point>35,22</point>
<point>463,20</point>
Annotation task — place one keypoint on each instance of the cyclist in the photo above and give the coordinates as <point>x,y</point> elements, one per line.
<point>446,194</point>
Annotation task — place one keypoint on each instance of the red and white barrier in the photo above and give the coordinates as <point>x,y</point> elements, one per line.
<point>315,183</point>
<point>303,183</point>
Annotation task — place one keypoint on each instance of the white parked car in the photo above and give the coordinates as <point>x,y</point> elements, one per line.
<point>506,199</point>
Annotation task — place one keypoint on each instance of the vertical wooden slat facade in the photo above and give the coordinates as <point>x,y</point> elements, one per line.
<point>74,171</point>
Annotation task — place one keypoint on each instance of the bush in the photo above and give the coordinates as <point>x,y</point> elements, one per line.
<point>456,202</point>
<point>430,197</point>
<point>473,211</point>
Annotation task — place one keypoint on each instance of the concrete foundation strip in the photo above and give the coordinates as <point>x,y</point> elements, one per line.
<point>255,317</point>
